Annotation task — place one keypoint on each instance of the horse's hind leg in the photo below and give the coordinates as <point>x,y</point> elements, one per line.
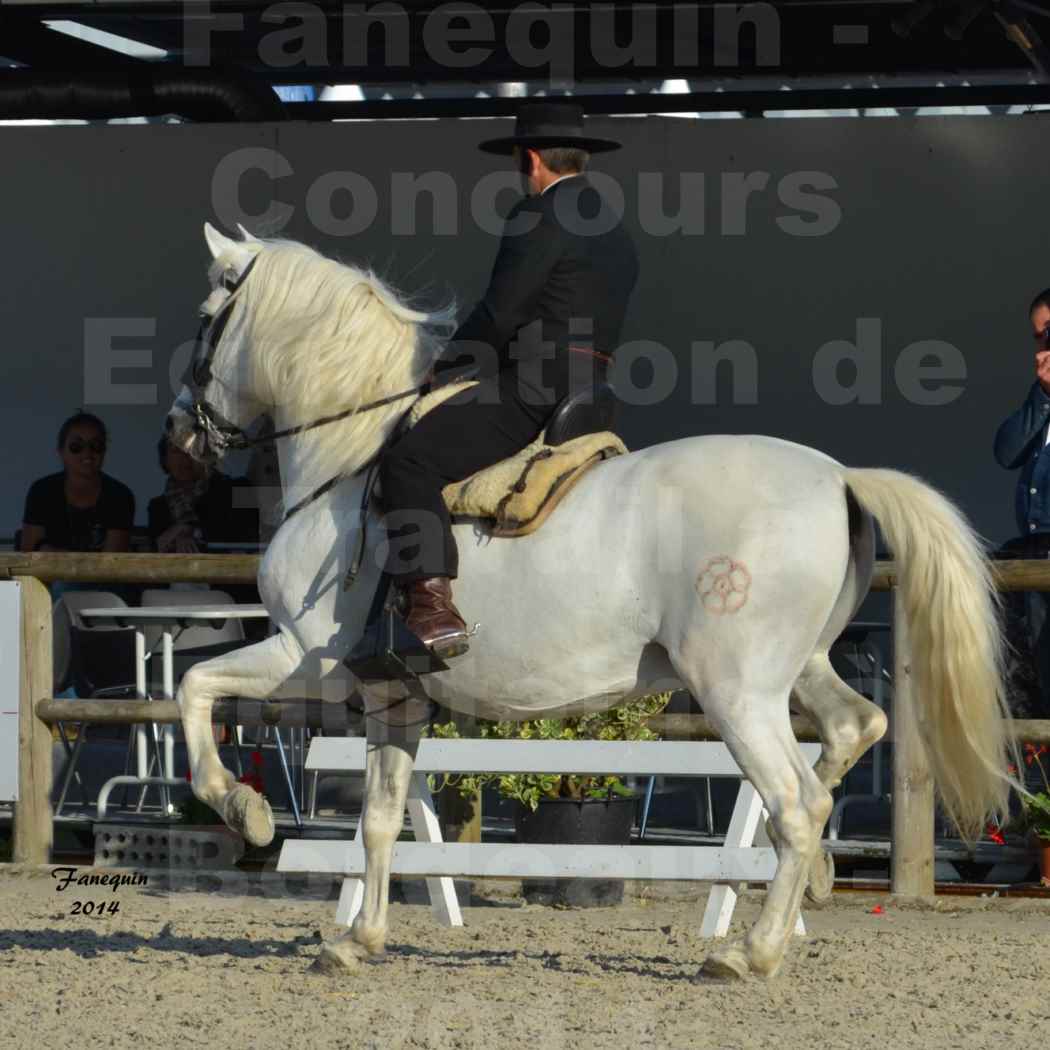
<point>757,730</point>
<point>848,724</point>
<point>393,739</point>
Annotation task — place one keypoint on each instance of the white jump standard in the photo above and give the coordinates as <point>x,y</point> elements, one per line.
<point>736,862</point>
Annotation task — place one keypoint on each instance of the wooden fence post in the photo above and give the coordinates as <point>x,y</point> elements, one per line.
<point>913,806</point>
<point>32,824</point>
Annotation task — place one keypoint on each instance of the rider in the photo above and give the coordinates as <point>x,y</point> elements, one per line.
<point>545,326</point>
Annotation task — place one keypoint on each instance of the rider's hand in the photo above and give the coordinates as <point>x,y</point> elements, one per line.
<point>1042,369</point>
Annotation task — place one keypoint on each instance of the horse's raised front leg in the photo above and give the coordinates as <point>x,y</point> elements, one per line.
<point>255,673</point>
<point>848,724</point>
<point>393,740</point>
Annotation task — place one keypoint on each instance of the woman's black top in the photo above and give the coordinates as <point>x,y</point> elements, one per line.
<point>78,528</point>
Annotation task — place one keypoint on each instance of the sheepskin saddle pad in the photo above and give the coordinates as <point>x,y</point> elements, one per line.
<point>517,495</point>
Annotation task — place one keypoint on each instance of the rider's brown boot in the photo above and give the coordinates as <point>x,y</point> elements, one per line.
<point>434,619</point>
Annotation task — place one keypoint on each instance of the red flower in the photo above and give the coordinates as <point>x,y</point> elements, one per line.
<point>995,835</point>
<point>878,910</point>
<point>257,758</point>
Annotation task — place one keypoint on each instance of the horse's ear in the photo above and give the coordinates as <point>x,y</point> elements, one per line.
<point>245,234</point>
<point>217,243</point>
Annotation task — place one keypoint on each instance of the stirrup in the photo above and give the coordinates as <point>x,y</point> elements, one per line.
<point>388,649</point>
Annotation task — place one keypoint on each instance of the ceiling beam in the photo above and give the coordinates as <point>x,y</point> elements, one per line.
<point>327,42</point>
<point>749,102</point>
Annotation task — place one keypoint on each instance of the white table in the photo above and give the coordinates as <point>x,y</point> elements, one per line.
<point>170,619</point>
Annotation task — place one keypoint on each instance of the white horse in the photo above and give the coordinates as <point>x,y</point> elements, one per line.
<point>727,565</point>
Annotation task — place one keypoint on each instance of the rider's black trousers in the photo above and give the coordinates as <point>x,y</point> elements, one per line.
<point>472,430</point>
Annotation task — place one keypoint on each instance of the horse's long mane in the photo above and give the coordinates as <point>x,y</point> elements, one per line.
<point>326,336</point>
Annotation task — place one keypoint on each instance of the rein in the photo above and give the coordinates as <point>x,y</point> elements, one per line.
<point>367,406</point>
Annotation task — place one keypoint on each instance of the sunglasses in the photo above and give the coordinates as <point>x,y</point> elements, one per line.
<point>76,446</point>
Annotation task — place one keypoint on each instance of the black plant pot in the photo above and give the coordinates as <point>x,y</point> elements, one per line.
<point>605,822</point>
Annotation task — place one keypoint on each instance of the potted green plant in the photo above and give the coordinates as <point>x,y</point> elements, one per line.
<point>1037,809</point>
<point>565,807</point>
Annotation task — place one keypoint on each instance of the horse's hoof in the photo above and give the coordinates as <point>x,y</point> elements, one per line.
<point>336,958</point>
<point>728,965</point>
<point>821,879</point>
<point>247,812</point>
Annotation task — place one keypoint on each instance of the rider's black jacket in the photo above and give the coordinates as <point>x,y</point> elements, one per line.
<point>564,272</point>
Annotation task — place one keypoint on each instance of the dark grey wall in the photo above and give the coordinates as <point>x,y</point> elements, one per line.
<point>938,236</point>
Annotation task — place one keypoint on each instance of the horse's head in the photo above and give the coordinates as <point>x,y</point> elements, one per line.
<point>219,401</point>
<point>326,349</point>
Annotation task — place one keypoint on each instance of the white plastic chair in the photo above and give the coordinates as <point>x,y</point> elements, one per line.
<point>195,636</point>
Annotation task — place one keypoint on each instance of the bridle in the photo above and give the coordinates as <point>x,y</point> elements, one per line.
<point>220,433</point>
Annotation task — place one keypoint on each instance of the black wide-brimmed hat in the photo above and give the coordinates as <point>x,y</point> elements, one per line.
<point>544,124</point>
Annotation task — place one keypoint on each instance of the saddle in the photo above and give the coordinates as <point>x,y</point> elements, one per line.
<point>517,495</point>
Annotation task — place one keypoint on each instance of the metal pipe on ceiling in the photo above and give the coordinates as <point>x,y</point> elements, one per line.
<point>146,92</point>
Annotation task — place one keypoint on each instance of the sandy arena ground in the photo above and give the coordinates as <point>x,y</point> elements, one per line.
<point>200,965</point>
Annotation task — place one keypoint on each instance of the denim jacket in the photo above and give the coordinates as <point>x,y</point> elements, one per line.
<point>1021,442</point>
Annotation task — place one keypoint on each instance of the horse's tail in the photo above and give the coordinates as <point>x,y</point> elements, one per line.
<point>951,607</point>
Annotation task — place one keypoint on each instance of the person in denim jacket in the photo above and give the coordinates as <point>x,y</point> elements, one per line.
<point>1021,443</point>
<point>1022,438</point>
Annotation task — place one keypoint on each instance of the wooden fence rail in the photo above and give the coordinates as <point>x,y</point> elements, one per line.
<point>311,714</point>
<point>130,568</point>
<point>913,802</point>
<point>243,568</point>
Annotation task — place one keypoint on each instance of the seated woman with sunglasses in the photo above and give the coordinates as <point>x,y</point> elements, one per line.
<point>79,508</point>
